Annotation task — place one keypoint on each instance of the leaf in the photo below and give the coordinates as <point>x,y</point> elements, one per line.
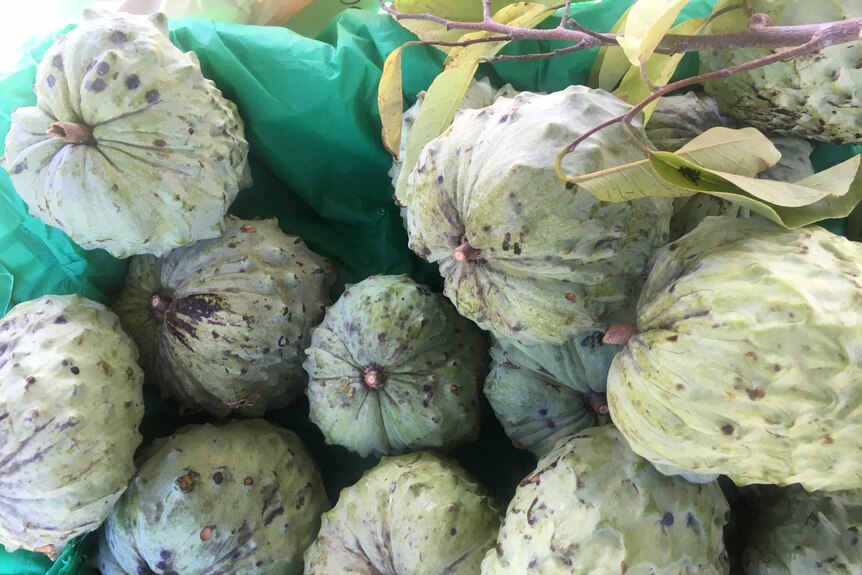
<point>646,25</point>
<point>444,96</point>
<point>659,69</point>
<point>460,10</point>
<point>390,101</point>
<point>611,63</point>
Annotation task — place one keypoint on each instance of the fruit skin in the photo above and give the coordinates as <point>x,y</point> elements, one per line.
<point>543,392</point>
<point>414,514</point>
<point>544,262</point>
<point>70,407</point>
<point>241,497</point>
<point>593,506</point>
<point>429,364</point>
<point>167,155</point>
<point>815,97</point>
<point>747,363</point>
<point>232,319</point>
<point>801,532</point>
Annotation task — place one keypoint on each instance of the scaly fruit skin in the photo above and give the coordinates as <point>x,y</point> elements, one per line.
<point>70,407</point>
<point>415,514</point>
<point>393,367</point>
<point>166,156</point>
<point>523,255</point>
<point>801,532</point>
<point>222,324</point>
<point>241,497</point>
<point>815,97</point>
<point>593,506</point>
<point>543,392</point>
<point>747,363</point>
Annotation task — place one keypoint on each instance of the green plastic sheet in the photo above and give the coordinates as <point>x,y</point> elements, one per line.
<point>310,110</point>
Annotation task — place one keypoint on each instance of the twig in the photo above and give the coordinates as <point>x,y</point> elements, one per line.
<point>486,11</point>
<point>565,17</point>
<point>608,39</point>
<point>538,56</point>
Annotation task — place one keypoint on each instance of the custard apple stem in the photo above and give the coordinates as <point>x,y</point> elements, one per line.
<point>599,403</point>
<point>619,333</point>
<point>374,376</point>
<point>159,304</point>
<point>72,132</point>
<point>465,252</point>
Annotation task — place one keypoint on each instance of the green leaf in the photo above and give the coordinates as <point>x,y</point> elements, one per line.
<point>390,101</point>
<point>658,69</point>
<point>646,25</point>
<point>611,63</point>
<point>447,90</point>
<point>459,10</point>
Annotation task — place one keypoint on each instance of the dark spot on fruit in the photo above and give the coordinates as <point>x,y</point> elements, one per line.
<point>19,167</point>
<point>159,143</point>
<point>672,337</point>
<point>571,296</point>
<point>60,319</point>
<point>275,513</point>
<point>191,131</point>
<point>103,68</point>
<point>439,179</point>
<point>680,386</point>
<point>30,381</point>
<point>550,424</point>
<point>132,81</point>
<point>96,85</point>
<point>507,237</point>
<point>776,367</point>
<point>119,37</point>
<point>427,387</point>
<point>74,369</point>
<point>51,80</point>
<point>570,186</point>
<point>727,429</point>
<point>543,412</point>
<point>751,354</point>
<point>248,481</point>
<point>453,532</point>
<point>828,439</point>
<point>282,341</point>
<point>672,288</point>
<point>517,249</point>
<point>218,477</point>
<point>152,96</point>
<point>672,247</point>
<point>381,337</point>
<point>667,519</point>
<point>755,394</point>
<point>57,61</point>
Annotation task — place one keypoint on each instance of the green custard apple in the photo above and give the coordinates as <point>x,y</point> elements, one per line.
<point>394,368</point>
<point>523,254</point>
<point>129,148</point>
<point>223,324</point>
<point>748,357</point>
<point>242,497</point>
<point>414,514</point>
<point>593,506</point>
<point>70,406</point>
<point>541,393</point>
<point>815,96</point>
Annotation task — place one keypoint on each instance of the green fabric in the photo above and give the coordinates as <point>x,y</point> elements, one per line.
<point>310,110</point>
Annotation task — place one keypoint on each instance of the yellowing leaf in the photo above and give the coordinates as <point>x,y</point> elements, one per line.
<point>611,63</point>
<point>390,102</point>
<point>659,69</point>
<point>460,10</point>
<point>646,25</point>
<point>745,151</point>
<point>444,96</point>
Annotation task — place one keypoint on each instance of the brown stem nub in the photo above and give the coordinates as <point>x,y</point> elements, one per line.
<point>72,133</point>
<point>465,252</point>
<point>159,304</point>
<point>374,376</point>
<point>599,403</point>
<point>619,333</point>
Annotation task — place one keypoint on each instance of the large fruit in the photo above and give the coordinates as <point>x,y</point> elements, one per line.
<point>222,324</point>
<point>748,360</point>
<point>801,532</point>
<point>70,406</point>
<point>593,506</point>
<point>541,393</point>
<point>129,147</point>
<point>393,367</point>
<point>415,514</point>
<point>525,255</point>
<point>815,96</point>
<point>241,497</point>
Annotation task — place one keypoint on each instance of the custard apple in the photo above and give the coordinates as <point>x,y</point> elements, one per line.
<point>593,506</point>
<point>70,407</point>
<point>543,392</point>
<point>816,96</point>
<point>801,532</point>
<point>523,254</point>
<point>748,360</point>
<point>222,324</point>
<point>129,148</point>
<point>242,497</point>
<point>393,367</point>
<point>415,514</point>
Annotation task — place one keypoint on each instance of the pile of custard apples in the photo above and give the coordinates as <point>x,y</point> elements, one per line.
<point>688,375</point>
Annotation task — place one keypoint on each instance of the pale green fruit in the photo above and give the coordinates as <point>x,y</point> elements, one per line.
<point>70,407</point>
<point>747,360</point>
<point>415,514</point>
<point>242,498</point>
<point>223,324</point>
<point>816,96</point>
<point>593,506</point>
<point>129,147</point>
<point>541,393</point>
<point>393,367</point>
<point>522,254</point>
<point>801,532</point>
